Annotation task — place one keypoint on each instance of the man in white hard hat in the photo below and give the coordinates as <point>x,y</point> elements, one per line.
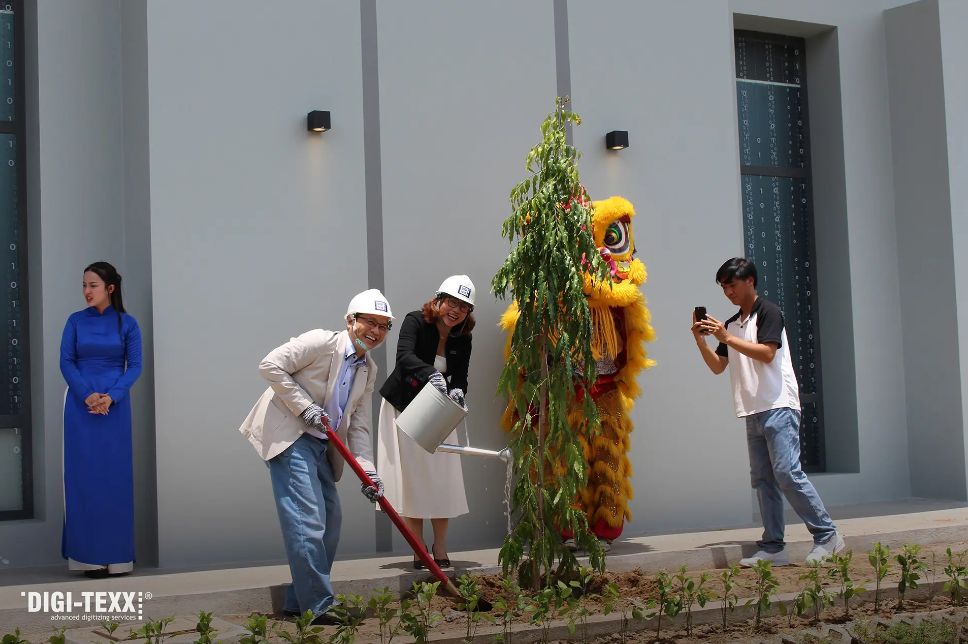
<point>320,378</point>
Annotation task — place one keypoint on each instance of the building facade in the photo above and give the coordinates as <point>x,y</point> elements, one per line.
<point>169,138</point>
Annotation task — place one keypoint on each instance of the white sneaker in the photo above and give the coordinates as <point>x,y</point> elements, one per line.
<point>606,544</point>
<point>777,559</point>
<point>834,546</point>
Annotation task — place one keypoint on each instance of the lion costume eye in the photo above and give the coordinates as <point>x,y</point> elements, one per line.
<point>617,238</point>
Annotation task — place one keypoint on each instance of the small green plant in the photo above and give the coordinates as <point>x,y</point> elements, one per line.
<point>306,633</point>
<point>206,634</point>
<point>420,617</point>
<point>814,594</point>
<point>543,608</point>
<point>911,567</point>
<point>153,631</point>
<point>690,593</point>
<point>931,572</point>
<point>379,606</point>
<point>257,630</point>
<point>470,603</point>
<point>879,559</point>
<point>110,626</point>
<point>507,607</point>
<point>765,589</point>
<point>350,611</point>
<point>58,636</point>
<point>14,638</point>
<point>926,632</point>
<point>577,610</point>
<point>840,573</point>
<point>728,577</point>
<point>668,603</point>
<point>615,602</point>
<point>956,572</point>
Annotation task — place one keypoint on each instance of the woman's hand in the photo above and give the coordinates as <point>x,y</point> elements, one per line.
<point>102,405</point>
<point>92,400</point>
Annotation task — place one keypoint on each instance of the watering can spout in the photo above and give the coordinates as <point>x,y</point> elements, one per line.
<point>504,454</point>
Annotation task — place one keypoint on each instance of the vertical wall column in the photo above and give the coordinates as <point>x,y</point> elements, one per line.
<point>926,269</point>
<point>373,177</point>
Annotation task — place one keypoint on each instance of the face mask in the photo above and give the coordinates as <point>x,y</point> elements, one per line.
<point>359,343</point>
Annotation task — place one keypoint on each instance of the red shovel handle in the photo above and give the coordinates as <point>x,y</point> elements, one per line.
<point>418,547</point>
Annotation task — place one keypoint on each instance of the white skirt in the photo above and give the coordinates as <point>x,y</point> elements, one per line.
<point>418,484</point>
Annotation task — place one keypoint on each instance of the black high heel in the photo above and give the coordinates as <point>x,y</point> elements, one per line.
<point>417,564</point>
<point>442,563</point>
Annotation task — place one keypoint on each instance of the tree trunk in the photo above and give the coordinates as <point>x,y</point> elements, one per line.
<point>542,423</point>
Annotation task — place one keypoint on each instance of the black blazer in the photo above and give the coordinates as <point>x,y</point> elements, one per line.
<point>416,350</point>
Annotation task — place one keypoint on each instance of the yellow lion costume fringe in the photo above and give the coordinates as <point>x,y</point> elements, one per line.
<point>621,327</point>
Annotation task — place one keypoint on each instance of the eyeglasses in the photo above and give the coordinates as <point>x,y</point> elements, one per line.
<point>454,303</point>
<point>370,322</point>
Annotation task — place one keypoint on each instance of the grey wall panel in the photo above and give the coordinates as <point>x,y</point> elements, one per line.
<point>257,234</point>
<point>681,172</point>
<point>78,157</point>
<point>462,97</point>
<point>825,103</point>
<point>953,18</point>
<point>925,253</point>
<point>872,242</point>
<point>137,276</point>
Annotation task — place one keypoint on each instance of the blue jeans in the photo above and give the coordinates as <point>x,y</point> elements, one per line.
<point>311,518</point>
<point>773,439</point>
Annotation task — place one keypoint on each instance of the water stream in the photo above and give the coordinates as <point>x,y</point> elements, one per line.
<point>507,492</point>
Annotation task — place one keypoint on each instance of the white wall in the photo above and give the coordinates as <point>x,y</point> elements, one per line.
<point>681,172</point>
<point>257,235</point>
<point>76,212</point>
<point>953,17</point>
<point>872,240</point>
<point>462,97</point>
<point>169,138</point>
<point>926,264</point>
<point>137,273</point>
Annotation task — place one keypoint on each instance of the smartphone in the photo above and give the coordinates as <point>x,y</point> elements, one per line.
<point>700,316</point>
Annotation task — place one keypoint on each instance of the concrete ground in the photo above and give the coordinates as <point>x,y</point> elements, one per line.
<point>243,590</point>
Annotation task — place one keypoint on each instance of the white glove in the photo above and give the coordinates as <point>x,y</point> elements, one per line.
<point>457,395</point>
<point>314,416</point>
<point>370,492</point>
<point>438,381</point>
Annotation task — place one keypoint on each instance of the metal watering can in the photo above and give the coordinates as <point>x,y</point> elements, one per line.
<point>430,419</point>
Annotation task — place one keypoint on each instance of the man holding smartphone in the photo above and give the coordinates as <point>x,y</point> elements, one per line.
<point>753,344</point>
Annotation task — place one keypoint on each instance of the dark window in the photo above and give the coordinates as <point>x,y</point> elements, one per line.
<point>16,487</point>
<point>771,93</point>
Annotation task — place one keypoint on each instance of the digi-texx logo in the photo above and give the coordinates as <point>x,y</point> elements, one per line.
<point>87,605</point>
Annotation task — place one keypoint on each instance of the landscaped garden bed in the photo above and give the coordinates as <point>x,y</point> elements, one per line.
<point>835,602</point>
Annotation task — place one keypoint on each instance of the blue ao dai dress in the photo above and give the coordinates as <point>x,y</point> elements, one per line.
<point>100,353</point>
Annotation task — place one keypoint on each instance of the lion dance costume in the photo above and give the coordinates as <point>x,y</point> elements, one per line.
<point>621,327</point>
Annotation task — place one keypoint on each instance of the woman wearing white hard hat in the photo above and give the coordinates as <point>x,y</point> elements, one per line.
<point>434,347</point>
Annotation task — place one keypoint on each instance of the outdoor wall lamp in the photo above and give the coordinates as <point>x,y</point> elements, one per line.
<point>317,121</point>
<point>617,140</point>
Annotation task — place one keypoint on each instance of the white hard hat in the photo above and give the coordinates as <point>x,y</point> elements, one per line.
<point>371,302</point>
<point>459,286</point>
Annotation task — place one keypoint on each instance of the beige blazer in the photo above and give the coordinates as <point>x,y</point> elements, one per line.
<point>303,371</point>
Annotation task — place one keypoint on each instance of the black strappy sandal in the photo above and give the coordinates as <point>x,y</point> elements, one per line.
<point>442,563</point>
<point>417,564</point>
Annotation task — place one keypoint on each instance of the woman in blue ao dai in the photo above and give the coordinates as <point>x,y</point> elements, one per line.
<point>101,360</point>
